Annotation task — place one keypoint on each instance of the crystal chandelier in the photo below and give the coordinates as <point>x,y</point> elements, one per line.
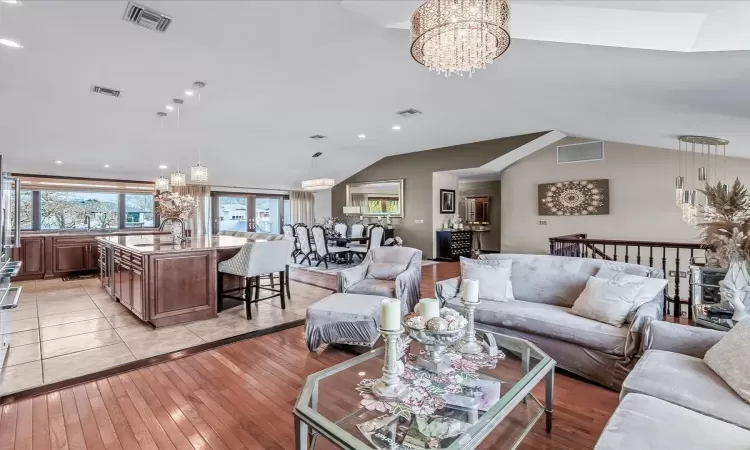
<point>199,174</point>
<point>458,36</point>
<point>161,184</point>
<point>177,179</point>
<point>704,169</point>
<point>317,184</point>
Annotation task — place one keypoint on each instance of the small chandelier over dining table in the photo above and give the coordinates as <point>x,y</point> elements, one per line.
<point>317,184</point>
<point>459,36</point>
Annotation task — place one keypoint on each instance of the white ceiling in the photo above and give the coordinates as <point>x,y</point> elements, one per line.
<point>280,71</point>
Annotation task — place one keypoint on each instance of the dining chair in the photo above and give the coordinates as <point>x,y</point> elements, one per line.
<point>290,233</point>
<point>369,228</point>
<point>254,260</point>
<point>323,250</point>
<point>376,234</point>
<point>306,248</point>
<point>341,228</point>
<point>358,230</point>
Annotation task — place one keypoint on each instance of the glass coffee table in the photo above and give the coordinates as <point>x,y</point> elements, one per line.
<point>484,401</point>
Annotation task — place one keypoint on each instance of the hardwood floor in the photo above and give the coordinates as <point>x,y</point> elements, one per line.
<point>240,396</point>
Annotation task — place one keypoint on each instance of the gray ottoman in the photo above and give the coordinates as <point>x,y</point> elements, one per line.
<point>351,319</point>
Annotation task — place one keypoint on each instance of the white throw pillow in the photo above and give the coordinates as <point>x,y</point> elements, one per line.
<point>606,301</point>
<point>730,358</point>
<point>509,291</point>
<point>651,286</point>
<point>493,277</point>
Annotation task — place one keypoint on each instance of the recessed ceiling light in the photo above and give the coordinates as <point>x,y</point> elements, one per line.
<point>9,43</point>
<point>162,166</point>
<point>189,93</point>
<point>361,135</point>
<point>169,108</point>
<point>106,166</point>
<point>58,162</point>
<point>396,127</point>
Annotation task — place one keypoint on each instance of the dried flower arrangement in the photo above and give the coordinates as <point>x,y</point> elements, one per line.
<point>726,224</point>
<point>171,205</point>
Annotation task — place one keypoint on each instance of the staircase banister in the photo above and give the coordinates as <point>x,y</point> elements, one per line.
<point>572,239</point>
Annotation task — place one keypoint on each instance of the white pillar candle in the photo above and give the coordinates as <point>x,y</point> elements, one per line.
<point>471,290</point>
<point>429,308</point>
<point>390,314</point>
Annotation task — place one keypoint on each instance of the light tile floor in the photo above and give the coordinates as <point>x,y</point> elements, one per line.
<point>64,329</point>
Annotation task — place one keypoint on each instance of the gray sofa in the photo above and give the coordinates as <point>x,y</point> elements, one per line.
<point>545,288</point>
<point>252,235</point>
<point>672,396</point>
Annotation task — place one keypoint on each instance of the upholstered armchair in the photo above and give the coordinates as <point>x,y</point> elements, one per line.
<point>392,272</point>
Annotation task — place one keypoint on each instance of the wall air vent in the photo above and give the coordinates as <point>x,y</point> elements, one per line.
<point>105,91</point>
<point>409,113</point>
<point>318,136</point>
<point>587,151</point>
<point>147,18</point>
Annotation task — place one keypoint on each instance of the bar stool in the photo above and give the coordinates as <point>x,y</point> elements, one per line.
<point>254,260</point>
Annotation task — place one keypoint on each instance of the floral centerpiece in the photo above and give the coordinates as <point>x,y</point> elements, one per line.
<point>175,209</point>
<point>171,205</point>
<point>725,231</point>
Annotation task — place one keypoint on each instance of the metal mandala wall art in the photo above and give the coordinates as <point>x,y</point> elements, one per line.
<point>574,198</point>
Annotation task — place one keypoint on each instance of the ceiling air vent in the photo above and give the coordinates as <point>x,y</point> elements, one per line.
<point>105,91</point>
<point>147,18</point>
<point>587,151</point>
<point>318,136</point>
<point>409,113</point>
<point>316,154</point>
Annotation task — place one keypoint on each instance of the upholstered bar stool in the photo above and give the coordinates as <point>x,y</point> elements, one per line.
<point>254,260</point>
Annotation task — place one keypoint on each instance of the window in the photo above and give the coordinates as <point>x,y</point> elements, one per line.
<point>139,210</point>
<point>27,210</point>
<point>69,210</point>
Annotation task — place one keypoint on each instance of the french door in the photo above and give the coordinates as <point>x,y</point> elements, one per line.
<point>249,212</point>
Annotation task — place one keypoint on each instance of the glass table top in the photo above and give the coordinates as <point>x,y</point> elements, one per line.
<point>480,399</point>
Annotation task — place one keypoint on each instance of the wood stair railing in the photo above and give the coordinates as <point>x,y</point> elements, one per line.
<point>639,252</point>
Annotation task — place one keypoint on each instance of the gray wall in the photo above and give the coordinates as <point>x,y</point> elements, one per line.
<point>491,189</point>
<point>416,169</point>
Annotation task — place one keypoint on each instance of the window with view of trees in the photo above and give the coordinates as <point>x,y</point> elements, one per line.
<point>61,210</point>
<point>27,210</point>
<point>139,210</point>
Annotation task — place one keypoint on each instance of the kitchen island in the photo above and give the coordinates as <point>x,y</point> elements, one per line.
<point>164,283</point>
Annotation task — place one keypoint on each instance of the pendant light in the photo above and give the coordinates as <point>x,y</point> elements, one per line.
<point>198,172</point>
<point>177,179</point>
<point>317,184</point>
<point>162,183</point>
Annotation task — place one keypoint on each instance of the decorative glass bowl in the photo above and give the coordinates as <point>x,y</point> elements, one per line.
<point>435,343</point>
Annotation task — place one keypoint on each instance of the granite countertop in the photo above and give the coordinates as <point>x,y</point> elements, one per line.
<point>150,243</point>
<point>92,233</point>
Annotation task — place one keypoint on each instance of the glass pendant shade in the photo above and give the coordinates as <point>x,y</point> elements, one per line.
<point>199,174</point>
<point>318,184</point>
<point>459,36</point>
<point>177,179</point>
<point>161,184</point>
<point>679,189</point>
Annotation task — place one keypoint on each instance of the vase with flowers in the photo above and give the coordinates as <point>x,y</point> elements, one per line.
<point>725,231</point>
<point>175,209</point>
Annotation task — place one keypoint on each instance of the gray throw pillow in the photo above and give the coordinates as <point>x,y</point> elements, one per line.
<point>493,276</point>
<point>606,301</point>
<point>730,359</point>
<point>385,271</point>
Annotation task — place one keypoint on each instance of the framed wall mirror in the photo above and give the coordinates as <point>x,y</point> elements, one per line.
<point>478,210</point>
<point>377,198</point>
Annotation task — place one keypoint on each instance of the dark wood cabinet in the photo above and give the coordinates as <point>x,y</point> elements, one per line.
<point>451,245</point>
<point>69,257</point>
<point>126,286</point>
<point>93,256</point>
<point>136,289</point>
<point>31,254</point>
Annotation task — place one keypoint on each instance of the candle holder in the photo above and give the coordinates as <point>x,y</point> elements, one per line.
<point>469,344</point>
<point>389,385</point>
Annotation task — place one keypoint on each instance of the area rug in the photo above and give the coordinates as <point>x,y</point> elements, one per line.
<point>336,268</point>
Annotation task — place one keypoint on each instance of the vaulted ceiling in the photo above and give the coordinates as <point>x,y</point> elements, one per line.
<point>278,72</point>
